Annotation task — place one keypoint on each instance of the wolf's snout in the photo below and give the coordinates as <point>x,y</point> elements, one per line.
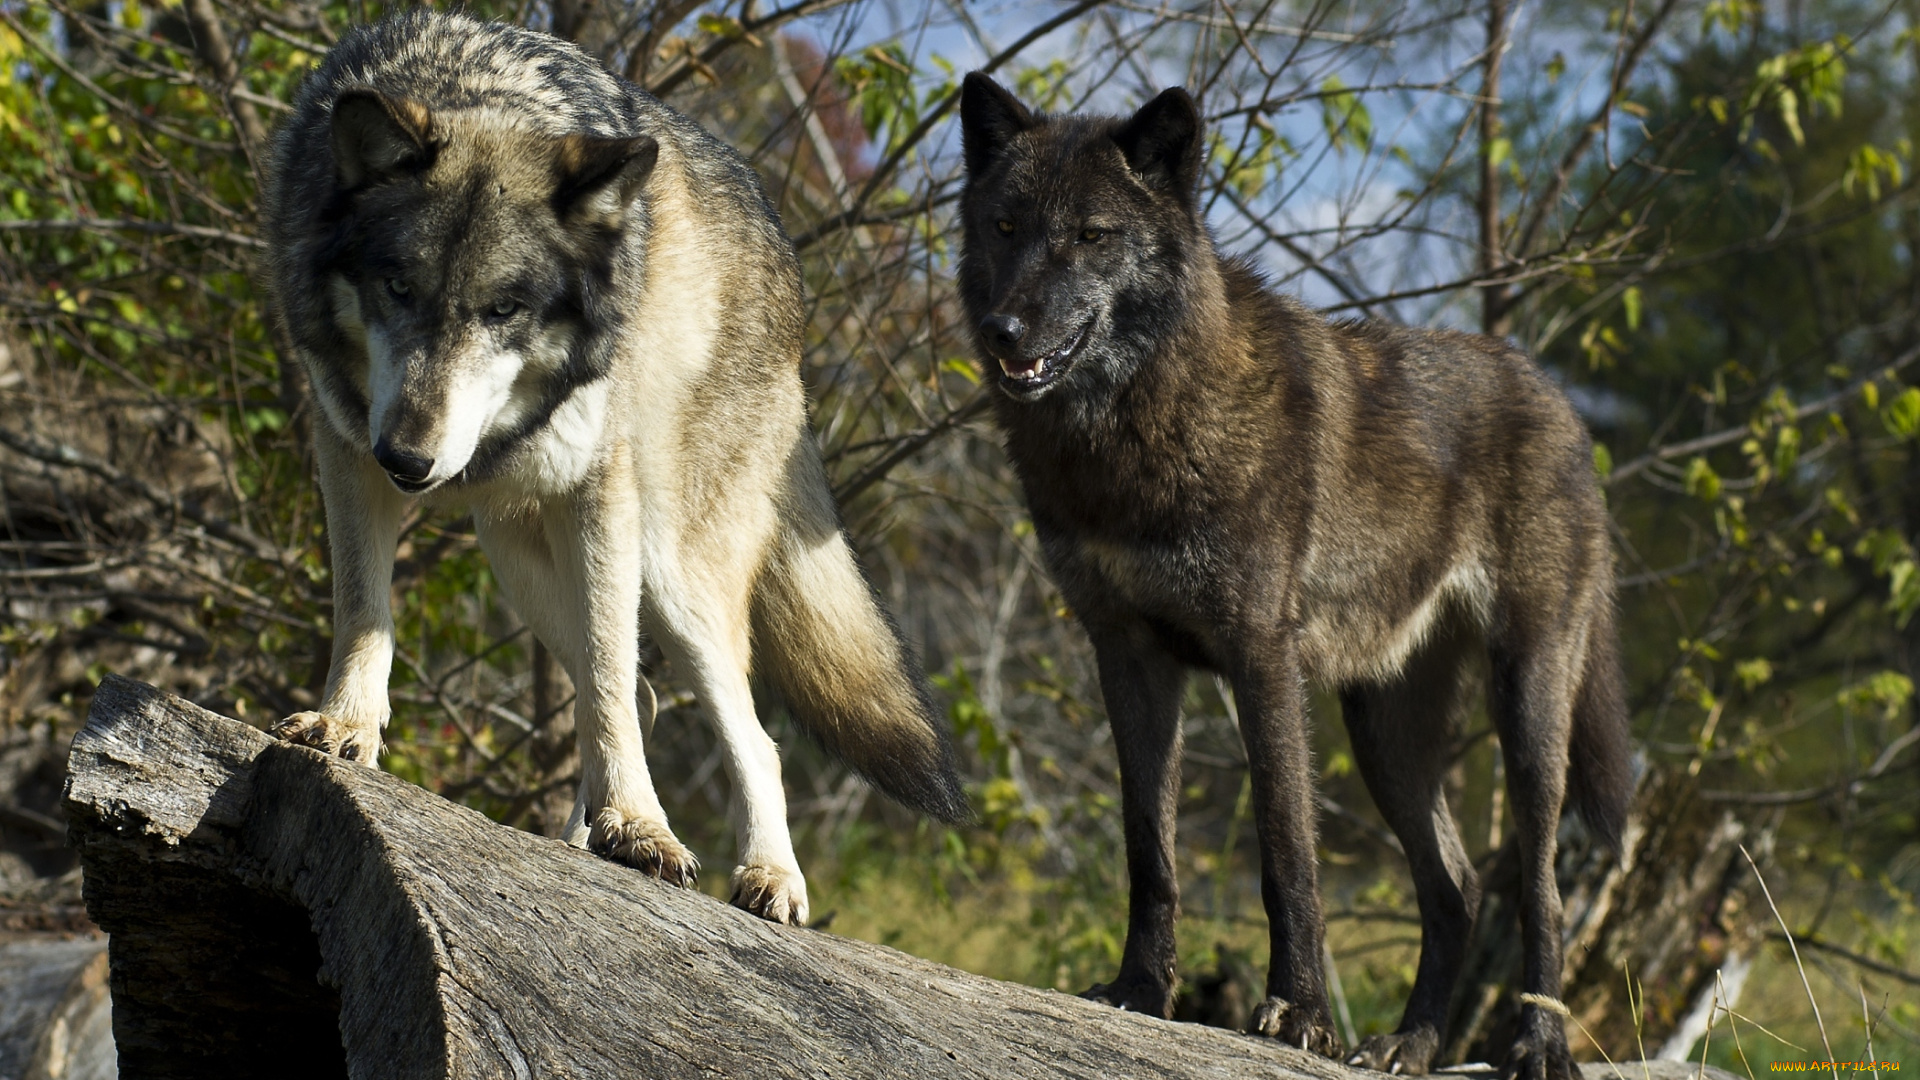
<point>409,470</point>
<point>1002,333</point>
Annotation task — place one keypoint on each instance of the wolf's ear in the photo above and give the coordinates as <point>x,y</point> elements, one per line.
<point>376,137</point>
<point>989,117</point>
<point>1162,142</point>
<point>600,178</point>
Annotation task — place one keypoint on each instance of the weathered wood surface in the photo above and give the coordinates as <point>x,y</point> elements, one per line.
<point>55,1022</point>
<point>273,912</point>
<point>266,904</point>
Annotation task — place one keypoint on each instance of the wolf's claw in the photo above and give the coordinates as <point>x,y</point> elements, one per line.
<point>1279,1018</point>
<point>331,735</point>
<point>1407,1053</point>
<point>1134,995</point>
<point>771,892</point>
<point>647,846</point>
<point>1540,1055</point>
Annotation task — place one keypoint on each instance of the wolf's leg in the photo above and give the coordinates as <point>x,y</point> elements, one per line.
<point>574,574</point>
<point>1534,664</point>
<point>363,528</point>
<point>1142,685</point>
<point>701,615</point>
<point>1400,732</point>
<point>517,551</point>
<point>1268,687</point>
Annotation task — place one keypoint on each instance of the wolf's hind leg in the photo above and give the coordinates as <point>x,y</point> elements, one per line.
<point>1531,698</point>
<point>1400,731</point>
<point>701,618</point>
<point>363,528</point>
<point>573,574</point>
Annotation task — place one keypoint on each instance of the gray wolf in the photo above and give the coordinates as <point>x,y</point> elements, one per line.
<point>520,284</point>
<point>1222,479</point>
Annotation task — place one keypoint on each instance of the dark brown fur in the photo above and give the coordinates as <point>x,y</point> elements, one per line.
<point>1222,479</point>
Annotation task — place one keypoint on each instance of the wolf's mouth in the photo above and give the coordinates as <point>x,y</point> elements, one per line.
<point>1026,377</point>
<point>412,487</point>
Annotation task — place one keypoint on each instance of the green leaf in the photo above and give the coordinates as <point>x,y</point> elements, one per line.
<point>1602,460</point>
<point>1902,414</point>
<point>1702,481</point>
<point>1631,301</point>
<point>1345,116</point>
<point>1753,673</point>
<point>1887,689</point>
<point>721,26</point>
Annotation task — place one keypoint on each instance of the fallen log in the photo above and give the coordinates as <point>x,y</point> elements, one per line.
<point>266,904</point>
<point>271,911</point>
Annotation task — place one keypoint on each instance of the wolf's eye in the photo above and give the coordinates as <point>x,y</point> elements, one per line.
<point>504,309</point>
<point>398,287</point>
<point>1005,227</point>
<point>1091,236</point>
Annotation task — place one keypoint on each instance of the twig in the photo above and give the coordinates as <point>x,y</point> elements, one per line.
<point>113,102</point>
<point>911,444</point>
<point>1722,438</point>
<point>884,171</point>
<point>688,65</point>
<point>210,41</point>
<point>164,228</point>
<point>1867,962</point>
<point>1802,968</point>
<point>1850,786</point>
<point>1866,1021</point>
<point>68,457</point>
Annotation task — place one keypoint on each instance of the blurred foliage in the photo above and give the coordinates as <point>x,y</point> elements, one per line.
<point>1705,224</point>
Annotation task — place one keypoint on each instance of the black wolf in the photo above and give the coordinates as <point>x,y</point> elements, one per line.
<point>520,284</point>
<point>1222,479</point>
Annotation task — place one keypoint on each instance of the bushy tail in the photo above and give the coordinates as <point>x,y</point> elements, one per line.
<point>822,639</point>
<point>1599,756</point>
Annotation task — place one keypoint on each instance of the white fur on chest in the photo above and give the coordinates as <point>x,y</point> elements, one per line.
<point>561,452</point>
<point>1346,638</point>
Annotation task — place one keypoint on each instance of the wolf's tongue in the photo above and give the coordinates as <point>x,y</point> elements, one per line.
<point>1022,368</point>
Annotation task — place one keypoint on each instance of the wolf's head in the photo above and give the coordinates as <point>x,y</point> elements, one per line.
<point>1080,233</point>
<point>469,260</point>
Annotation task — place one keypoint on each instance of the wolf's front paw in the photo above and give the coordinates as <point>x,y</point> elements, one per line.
<point>647,846</point>
<point>1308,1029</point>
<point>774,894</point>
<point>1540,1053</point>
<point>1149,996</point>
<point>332,735</point>
<point>1408,1053</point>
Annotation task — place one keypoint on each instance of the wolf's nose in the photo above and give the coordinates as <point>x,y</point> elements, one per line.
<point>405,468</point>
<point>1002,332</point>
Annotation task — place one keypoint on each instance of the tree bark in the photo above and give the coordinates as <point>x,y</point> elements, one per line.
<point>266,904</point>
<point>54,1018</point>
